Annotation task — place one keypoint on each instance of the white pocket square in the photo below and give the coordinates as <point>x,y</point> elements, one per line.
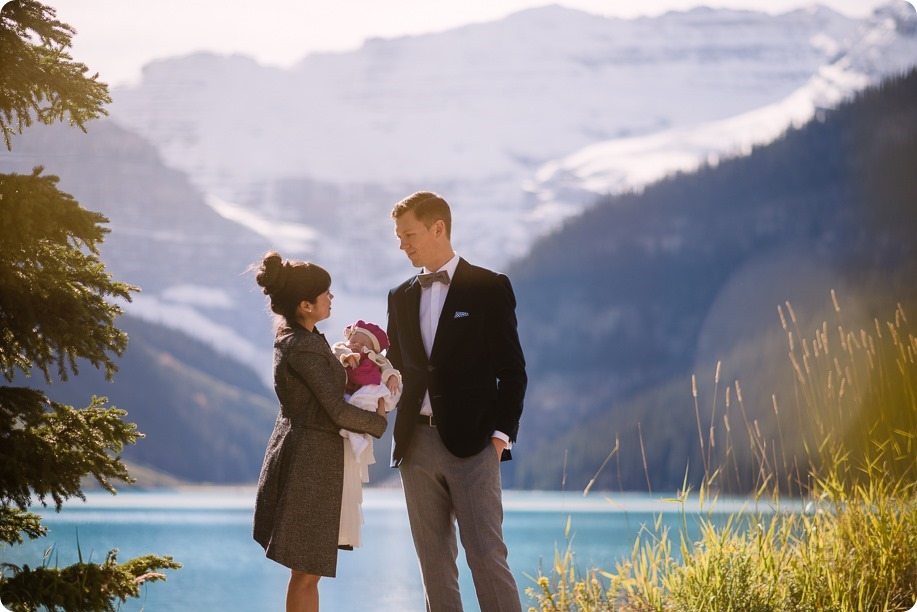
<point>459,314</point>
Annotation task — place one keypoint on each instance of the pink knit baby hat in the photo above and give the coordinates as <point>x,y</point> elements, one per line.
<point>376,333</point>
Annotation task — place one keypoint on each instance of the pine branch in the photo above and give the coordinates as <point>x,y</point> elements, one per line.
<point>83,586</point>
<point>57,302</point>
<point>48,447</point>
<point>15,522</point>
<point>39,81</point>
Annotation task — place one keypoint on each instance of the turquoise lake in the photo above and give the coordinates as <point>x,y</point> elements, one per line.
<point>209,532</point>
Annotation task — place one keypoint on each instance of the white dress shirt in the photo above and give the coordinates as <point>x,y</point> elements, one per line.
<point>432,299</point>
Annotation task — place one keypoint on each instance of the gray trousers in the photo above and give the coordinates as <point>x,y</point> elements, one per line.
<point>441,489</point>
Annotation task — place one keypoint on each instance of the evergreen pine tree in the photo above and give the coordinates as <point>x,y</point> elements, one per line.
<point>57,309</point>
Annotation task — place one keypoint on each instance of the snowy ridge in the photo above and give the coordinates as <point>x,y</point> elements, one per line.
<point>520,123</point>
<point>488,102</point>
<point>478,102</point>
<point>887,46</point>
<point>296,239</point>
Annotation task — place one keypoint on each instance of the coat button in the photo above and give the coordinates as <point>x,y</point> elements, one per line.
<point>431,368</point>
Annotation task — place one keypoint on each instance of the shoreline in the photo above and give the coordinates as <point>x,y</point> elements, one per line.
<point>205,497</point>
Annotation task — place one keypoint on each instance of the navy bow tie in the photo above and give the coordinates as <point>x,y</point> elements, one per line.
<point>428,279</point>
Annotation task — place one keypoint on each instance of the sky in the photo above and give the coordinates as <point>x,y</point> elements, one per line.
<point>117,37</point>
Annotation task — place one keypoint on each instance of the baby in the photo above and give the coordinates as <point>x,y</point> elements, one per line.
<point>360,353</point>
<point>367,370</point>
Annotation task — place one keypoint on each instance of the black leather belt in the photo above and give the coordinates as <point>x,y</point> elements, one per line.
<point>426,419</point>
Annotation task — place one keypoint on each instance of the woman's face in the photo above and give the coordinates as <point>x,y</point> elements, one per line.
<point>322,307</point>
<point>313,312</point>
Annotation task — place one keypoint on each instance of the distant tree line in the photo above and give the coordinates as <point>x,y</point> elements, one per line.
<point>612,305</point>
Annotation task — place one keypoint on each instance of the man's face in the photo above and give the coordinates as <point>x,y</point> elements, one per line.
<point>417,240</point>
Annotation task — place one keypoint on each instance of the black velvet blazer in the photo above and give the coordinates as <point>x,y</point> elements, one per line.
<point>476,370</point>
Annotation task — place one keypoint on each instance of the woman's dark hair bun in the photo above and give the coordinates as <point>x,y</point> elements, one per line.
<point>272,274</point>
<point>289,283</point>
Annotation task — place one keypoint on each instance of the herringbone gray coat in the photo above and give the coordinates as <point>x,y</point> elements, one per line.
<point>298,504</point>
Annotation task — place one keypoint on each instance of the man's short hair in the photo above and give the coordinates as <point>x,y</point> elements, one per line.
<point>428,207</point>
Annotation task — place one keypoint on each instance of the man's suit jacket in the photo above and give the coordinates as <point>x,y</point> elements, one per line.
<point>476,370</point>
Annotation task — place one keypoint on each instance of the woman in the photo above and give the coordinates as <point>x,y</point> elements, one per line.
<point>298,504</point>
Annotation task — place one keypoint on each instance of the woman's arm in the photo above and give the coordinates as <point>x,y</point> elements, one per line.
<point>315,369</point>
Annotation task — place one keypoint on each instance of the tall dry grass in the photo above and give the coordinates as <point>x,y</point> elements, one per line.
<point>831,523</point>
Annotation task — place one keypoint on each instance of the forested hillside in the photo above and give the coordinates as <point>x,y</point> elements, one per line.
<point>206,417</point>
<point>622,305</point>
<point>617,309</point>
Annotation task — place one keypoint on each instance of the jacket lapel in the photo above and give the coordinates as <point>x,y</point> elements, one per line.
<point>444,327</point>
<point>412,317</point>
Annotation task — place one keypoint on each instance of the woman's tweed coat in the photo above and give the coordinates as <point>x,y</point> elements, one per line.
<point>298,504</point>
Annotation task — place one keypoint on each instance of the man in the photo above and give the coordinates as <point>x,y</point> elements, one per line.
<point>453,337</point>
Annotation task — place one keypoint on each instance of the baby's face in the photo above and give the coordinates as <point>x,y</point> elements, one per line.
<point>359,341</point>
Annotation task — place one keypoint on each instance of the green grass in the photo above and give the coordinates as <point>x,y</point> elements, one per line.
<point>832,522</point>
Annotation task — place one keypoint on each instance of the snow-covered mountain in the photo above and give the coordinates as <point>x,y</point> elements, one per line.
<point>478,102</point>
<point>473,112</point>
<point>883,46</point>
<point>514,122</point>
